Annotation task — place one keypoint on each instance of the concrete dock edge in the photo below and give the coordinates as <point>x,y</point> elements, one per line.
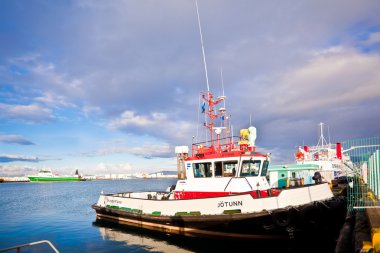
<point>374,223</point>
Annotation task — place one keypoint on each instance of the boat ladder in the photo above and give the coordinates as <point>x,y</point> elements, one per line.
<point>18,247</point>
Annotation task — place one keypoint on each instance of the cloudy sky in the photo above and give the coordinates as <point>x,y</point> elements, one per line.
<point>113,86</point>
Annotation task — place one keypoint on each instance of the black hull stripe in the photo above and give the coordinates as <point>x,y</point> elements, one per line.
<point>183,230</point>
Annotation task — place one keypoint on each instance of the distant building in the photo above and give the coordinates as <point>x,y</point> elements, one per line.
<point>117,176</point>
<point>164,174</point>
<point>160,174</point>
<point>14,179</point>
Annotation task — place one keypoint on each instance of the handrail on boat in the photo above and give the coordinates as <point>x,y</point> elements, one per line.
<point>18,247</point>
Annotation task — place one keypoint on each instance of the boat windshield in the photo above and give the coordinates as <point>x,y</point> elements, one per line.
<point>230,168</point>
<point>202,169</point>
<point>265,168</point>
<point>225,168</point>
<point>250,168</point>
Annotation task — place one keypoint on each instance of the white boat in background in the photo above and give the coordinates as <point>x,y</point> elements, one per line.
<point>331,159</point>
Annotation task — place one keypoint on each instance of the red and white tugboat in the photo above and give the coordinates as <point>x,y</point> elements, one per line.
<point>222,191</point>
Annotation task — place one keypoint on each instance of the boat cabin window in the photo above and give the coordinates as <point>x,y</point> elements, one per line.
<point>202,169</point>
<point>265,168</point>
<point>230,168</point>
<point>218,169</point>
<point>250,168</point>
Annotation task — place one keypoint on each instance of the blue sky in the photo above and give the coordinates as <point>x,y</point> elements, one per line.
<point>113,86</point>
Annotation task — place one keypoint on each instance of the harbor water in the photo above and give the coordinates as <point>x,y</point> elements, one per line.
<point>61,213</point>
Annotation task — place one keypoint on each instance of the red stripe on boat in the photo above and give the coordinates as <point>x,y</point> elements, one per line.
<point>200,195</point>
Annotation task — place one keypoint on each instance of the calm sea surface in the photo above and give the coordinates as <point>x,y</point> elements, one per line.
<point>61,213</point>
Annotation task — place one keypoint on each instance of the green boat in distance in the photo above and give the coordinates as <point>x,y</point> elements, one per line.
<point>46,175</point>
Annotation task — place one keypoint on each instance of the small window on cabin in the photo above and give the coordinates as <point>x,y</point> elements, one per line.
<point>250,168</point>
<point>229,168</point>
<point>202,170</point>
<point>265,168</point>
<point>218,169</point>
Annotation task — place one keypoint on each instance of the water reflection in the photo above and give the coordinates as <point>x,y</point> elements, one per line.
<point>149,241</point>
<point>137,238</point>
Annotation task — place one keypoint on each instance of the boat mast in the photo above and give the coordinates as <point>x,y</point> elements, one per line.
<point>221,77</point>
<point>208,97</point>
<point>322,139</point>
<point>203,49</point>
<point>223,109</point>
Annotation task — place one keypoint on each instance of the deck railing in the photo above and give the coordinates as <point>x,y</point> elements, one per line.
<point>19,247</point>
<point>226,144</point>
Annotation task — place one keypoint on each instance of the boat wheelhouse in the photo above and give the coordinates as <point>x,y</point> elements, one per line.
<point>222,167</point>
<point>223,174</point>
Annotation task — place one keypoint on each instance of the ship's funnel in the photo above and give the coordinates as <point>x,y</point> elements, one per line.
<point>306,148</point>
<point>339,150</point>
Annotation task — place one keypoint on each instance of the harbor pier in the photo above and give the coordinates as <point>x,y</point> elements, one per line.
<point>374,225</point>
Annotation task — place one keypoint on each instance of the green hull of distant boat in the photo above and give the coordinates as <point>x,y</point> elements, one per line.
<point>53,179</point>
<point>46,175</point>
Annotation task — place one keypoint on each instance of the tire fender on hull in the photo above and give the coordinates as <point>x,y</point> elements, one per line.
<point>284,218</point>
<point>314,215</point>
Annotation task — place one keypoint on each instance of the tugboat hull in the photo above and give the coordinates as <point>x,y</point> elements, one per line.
<point>232,226</point>
<point>231,223</point>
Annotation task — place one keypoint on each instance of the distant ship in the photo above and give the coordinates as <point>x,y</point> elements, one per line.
<point>46,175</point>
<point>333,161</point>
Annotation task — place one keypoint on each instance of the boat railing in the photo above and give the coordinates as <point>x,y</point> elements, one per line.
<point>19,247</point>
<point>222,145</point>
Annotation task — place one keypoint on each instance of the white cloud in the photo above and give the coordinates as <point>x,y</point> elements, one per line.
<point>4,158</point>
<point>91,110</point>
<point>54,100</point>
<point>333,78</point>
<point>155,124</point>
<point>374,38</point>
<point>33,113</point>
<point>14,170</point>
<point>15,139</point>
<point>108,168</point>
<point>146,151</point>
<point>36,75</point>
<point>46,75</point>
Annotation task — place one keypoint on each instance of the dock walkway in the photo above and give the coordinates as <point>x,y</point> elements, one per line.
<point>374,224</point>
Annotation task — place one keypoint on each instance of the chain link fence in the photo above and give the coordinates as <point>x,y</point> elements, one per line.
<point>363,175</point>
